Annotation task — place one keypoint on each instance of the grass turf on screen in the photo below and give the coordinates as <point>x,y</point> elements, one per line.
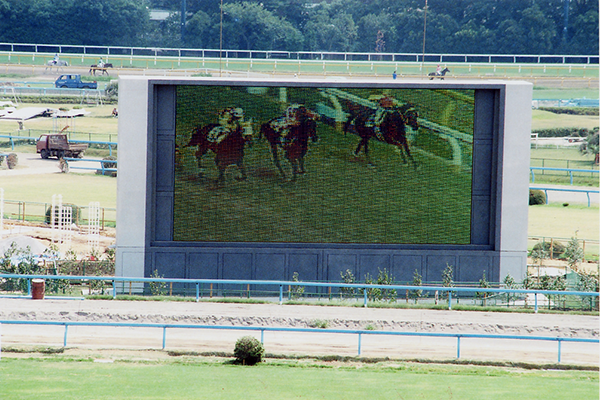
<point>340,198</point>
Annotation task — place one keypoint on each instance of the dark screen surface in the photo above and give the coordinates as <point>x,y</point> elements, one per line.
<point>288,165</point>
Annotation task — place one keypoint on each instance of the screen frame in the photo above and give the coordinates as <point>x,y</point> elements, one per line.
<point>151,230</point>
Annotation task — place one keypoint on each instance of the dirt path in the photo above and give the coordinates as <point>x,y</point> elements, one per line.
<point>312,343</point>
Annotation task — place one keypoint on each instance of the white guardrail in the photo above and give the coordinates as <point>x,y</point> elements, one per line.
<point>299,55</point>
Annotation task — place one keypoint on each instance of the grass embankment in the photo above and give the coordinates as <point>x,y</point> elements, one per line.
<point>190,377</point>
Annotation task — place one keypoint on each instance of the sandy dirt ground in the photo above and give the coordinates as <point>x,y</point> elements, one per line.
<point>147,342</point>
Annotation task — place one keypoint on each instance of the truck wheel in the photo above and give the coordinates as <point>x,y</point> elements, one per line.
<point>60,154</point>
<point>64,86</point>
<point>44,154</point>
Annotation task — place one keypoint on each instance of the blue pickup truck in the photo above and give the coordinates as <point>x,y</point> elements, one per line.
<point>74,82</point>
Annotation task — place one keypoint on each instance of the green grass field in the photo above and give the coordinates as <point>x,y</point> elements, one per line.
<point>187,378</point>
<point>548,120</point>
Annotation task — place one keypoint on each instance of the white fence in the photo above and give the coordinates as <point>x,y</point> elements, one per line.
<point>299,55</point>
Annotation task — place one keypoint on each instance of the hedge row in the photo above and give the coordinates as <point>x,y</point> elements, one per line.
<point>565,132</point>
<point>572,110</point>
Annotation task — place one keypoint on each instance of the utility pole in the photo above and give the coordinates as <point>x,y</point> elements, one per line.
<point>183,13</point>
<point>566,22</point>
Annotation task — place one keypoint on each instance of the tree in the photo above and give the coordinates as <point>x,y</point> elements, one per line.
<point>591,146</point>
<point>347,292</point>
<point>89,22</point>
<point>573,253</point>
<point>198,31</point>
<point>249,26</point>
<point>327,30</point>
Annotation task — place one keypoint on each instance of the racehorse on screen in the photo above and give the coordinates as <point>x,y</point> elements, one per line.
<point>225,139</point>
<point>291,132</point>
<point>387,124</point>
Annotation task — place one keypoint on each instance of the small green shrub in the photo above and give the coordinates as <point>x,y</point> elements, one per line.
<point>557,248</point>
<point>319,323</point>
<point>370,327</point>
<point>347,292</point>
<point>75,214</point>
<point>157,288</point>
<point>248,351</point>
<point>12,160</point>
<point>296,291</point>
<point>536,197</point>
<point>109,165</point>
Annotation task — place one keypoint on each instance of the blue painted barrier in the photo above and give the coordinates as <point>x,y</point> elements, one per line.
<point>586,191</point>
<point>264,329</point>
<point>12,138</point>
<point>102,162</point>
<point>281,285</point>
<point>569,170</point>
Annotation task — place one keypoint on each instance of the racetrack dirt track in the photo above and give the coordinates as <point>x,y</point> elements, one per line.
<point>149,340</point>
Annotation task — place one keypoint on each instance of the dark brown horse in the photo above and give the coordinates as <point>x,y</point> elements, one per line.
<point>226,140</point>
<point>291,132</point>
<point>387,125</point>
<point>436,74</point>
<point>103,69</point>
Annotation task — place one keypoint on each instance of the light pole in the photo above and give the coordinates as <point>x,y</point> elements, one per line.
<point>183,12</point>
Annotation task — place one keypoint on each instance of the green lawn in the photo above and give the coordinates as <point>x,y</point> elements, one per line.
<point>563,158</point>
<point>188,378</point>
<point>549,120</point>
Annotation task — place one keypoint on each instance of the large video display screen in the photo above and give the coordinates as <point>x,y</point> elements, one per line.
<point>316,165</point>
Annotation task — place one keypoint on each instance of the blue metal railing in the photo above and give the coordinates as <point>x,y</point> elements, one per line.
<point>102,168</point>
<point>586,191</point>
<point>264,329</point>
<point>569,170</point>
<point>281,284</point>
<point>12,138</point>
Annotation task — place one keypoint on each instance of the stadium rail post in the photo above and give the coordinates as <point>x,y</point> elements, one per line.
<point>65,337</point>
<point>450,300</point>
<point>559,348</point>
<point>535,306</point>
<point>164,341</point>
<point>114,285</point>
<point>280,294</point>
<point>262,336</point>
<point>197,292</point>
<point>457,347</point>
<point>359,342</point>
<point>365,304</point>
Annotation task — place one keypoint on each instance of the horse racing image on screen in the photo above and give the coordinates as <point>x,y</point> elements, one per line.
<point>323,165</point>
